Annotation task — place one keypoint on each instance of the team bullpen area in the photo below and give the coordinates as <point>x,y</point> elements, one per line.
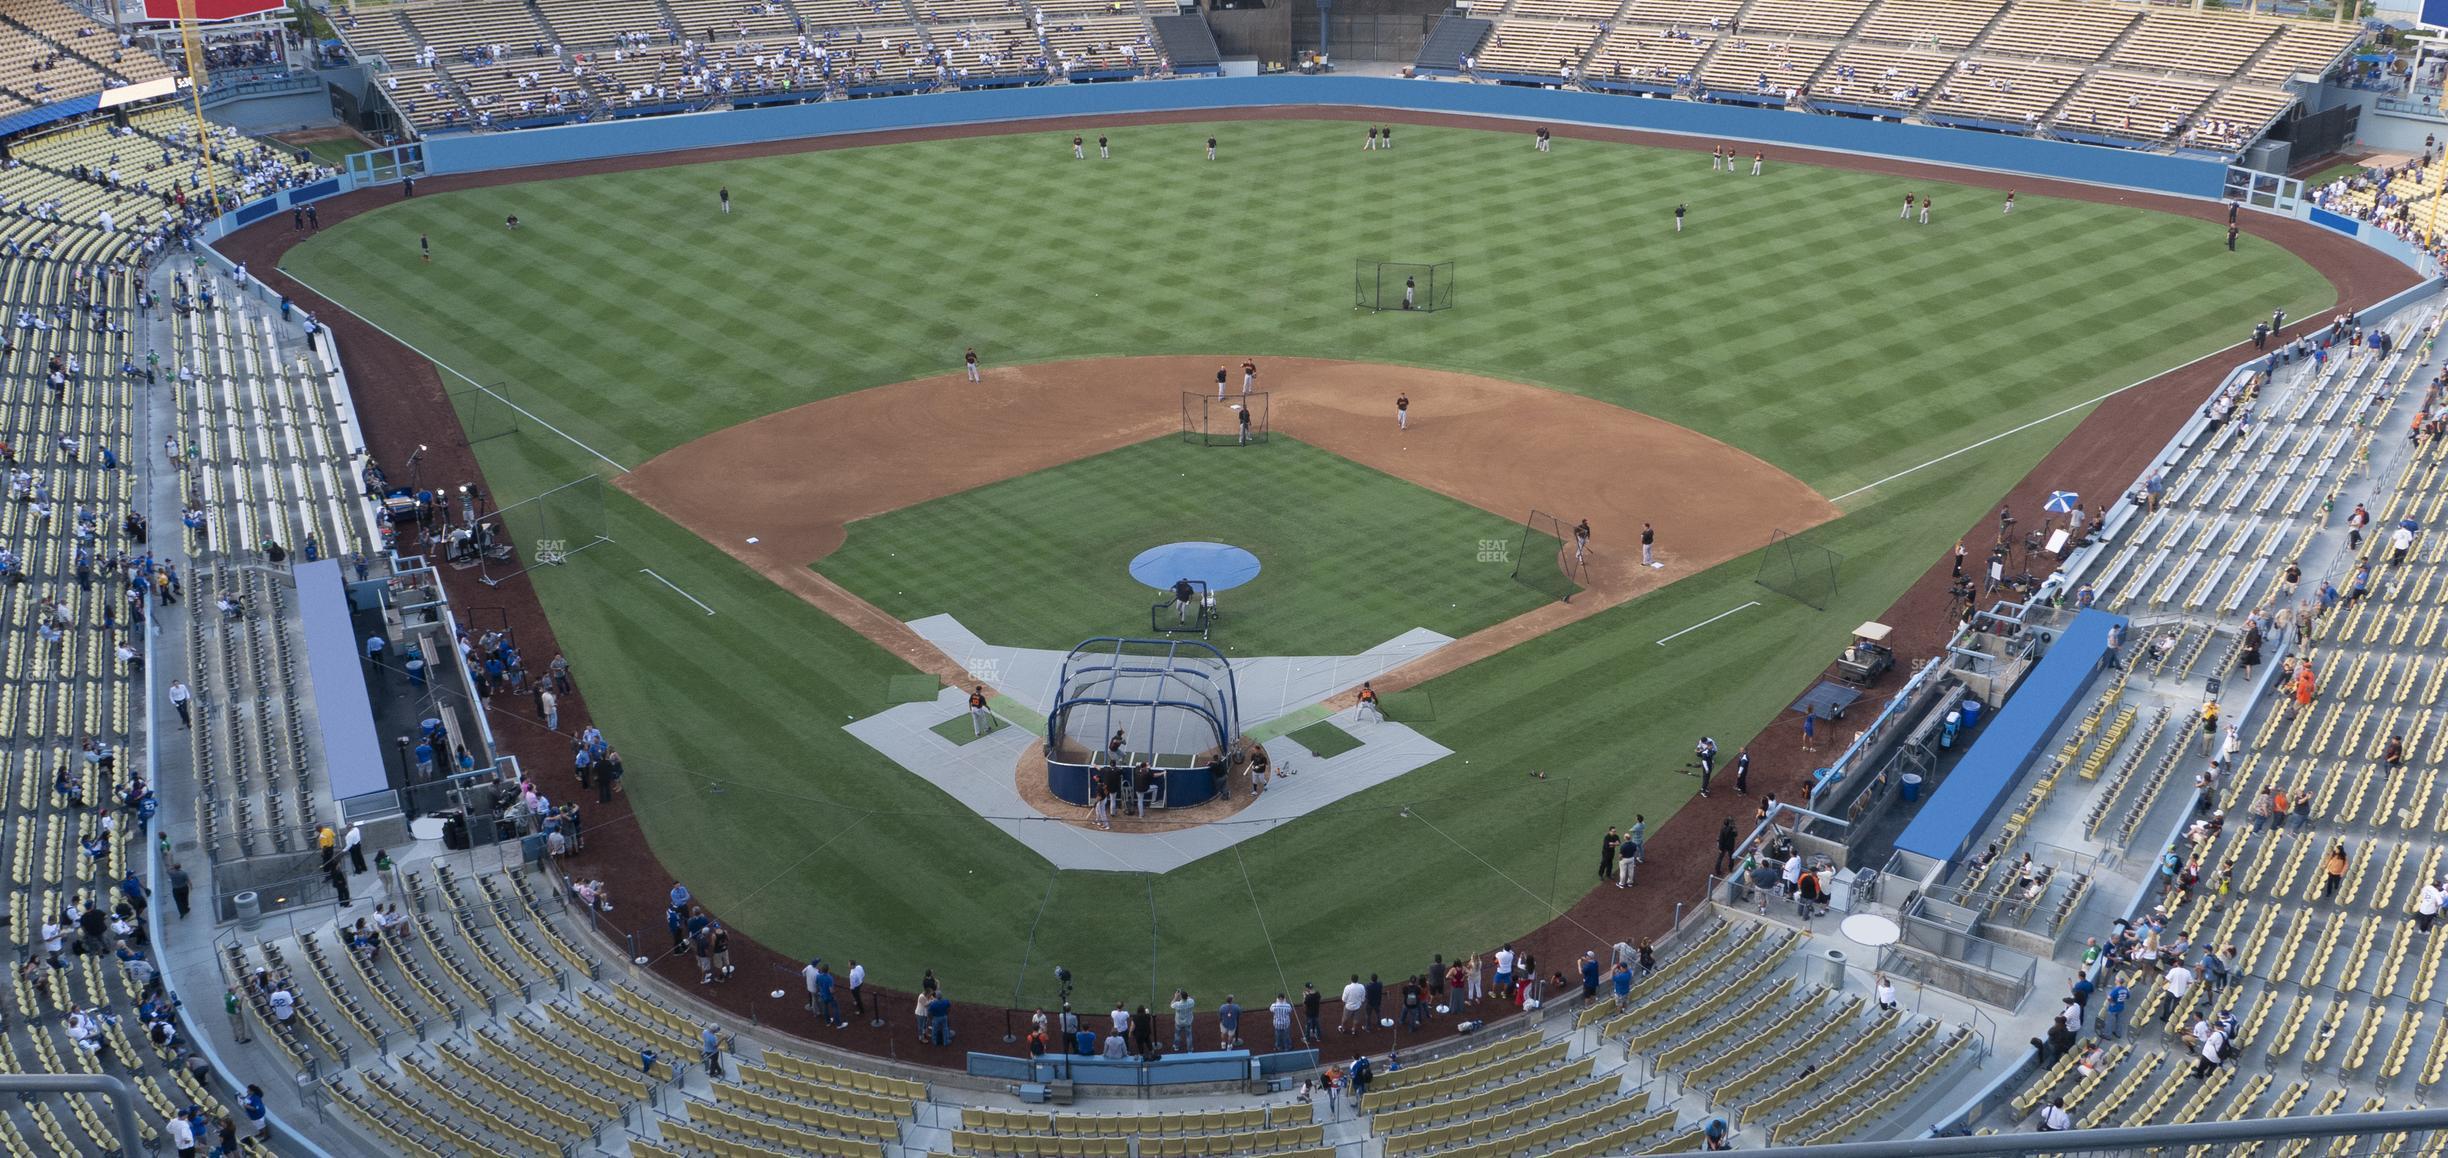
<point>1794,318</point>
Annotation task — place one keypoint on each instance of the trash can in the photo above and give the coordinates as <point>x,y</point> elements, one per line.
<point>1831,969</point>
<point>250,908</point>
<point>1946,736</point>
<point>1971,709</point>
<point>416,673</point>
<point>1912,787</point>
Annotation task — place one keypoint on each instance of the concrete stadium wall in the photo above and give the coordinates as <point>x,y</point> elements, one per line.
<point>465,153</point>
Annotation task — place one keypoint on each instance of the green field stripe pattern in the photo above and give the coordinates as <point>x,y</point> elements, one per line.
<point>1797,319</point>
<point>1349,557</point>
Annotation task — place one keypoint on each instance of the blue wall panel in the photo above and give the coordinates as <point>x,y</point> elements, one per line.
<point>1972,794</point>
<point>465,153</point>
<point>2345,225</point>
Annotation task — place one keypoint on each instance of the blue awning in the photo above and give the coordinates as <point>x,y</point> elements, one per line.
<point>35,118</point>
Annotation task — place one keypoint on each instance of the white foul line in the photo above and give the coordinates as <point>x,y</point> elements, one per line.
<point>2028,425</point>
<point>675,587</point>
<point>438,364</point>
<point>1705,623</point>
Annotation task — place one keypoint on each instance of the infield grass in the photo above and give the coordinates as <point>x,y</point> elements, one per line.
<point>1797,319</point>
<point>1349,557</point>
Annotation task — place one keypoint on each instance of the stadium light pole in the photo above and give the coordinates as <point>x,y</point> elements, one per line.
<point>192,37</point>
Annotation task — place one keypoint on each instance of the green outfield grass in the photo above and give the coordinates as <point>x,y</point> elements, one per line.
<point>1349,557</point>
<point>1796,319</point>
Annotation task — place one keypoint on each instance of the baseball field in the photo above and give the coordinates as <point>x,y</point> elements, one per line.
<point>788,373</point>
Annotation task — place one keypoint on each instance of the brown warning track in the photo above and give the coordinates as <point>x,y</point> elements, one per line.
<point>401,401</point>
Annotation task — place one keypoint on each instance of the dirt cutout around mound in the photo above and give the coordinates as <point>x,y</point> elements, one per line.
<point>779,492</point>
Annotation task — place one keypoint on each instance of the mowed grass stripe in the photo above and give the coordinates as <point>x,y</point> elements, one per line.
<point>1797,319</point>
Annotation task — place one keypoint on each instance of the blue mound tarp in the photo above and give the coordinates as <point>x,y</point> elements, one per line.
<point>1984,779</point>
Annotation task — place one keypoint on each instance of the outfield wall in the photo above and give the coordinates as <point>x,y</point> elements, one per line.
<point>474,152</point>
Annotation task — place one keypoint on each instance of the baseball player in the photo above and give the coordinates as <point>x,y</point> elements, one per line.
<point>1244,414</point>
<point>1679,210</point>
<point>1908,208</point>
<point>1410,290</point>
<point>1730,158</point>
<point>1385,137</point>
<point>1249,375</point>
<point>1211,148</point>
<point>1544,138</point>
<point>980,720</point>
<point>1581,537</point>
<point>1402,411</point>
<point>2010,201</point>
<point>1372,139</point>
<point>1925,208</point>
<point>1716,158</point>
<point>970,360</point>
<point>425,247</point>
<point>1079,149</point>
<point>1104,149</point>
<point>1648,542</point>
<point>1759,162</point>
<point>1219,383</point>
<point>724,194</point>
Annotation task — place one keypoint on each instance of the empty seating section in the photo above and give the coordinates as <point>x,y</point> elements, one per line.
<point>1872,74</point>
<point>506,27</point>
<point>1822,19</point>
<point>378,30</point>
<point>504,63</point>
<point>1651,57</point>
<point>1536,47</point>
<point>2124,104</point>
<point>1746,64</point>
<point>1691,14</point>
<point>2302,47</point>
<point>1591,11</point>
<point>1944,23</point>
<point>2068,31</point>
<point>50,51</point>
<point>2209,44</point>
<point>732,20</point>
<point>580,22</point>
<point>457,1023</point>
<point>2002,92</point>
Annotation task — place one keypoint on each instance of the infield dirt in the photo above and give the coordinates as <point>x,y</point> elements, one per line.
<point>778,492</point>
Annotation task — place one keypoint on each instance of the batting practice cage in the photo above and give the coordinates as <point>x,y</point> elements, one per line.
<point>1545,558</point>
<point>1211,421</point>
<point>1402,285</point>
<point>1801,570</point>
<point>484,412</point>
<point>1168,704</point>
